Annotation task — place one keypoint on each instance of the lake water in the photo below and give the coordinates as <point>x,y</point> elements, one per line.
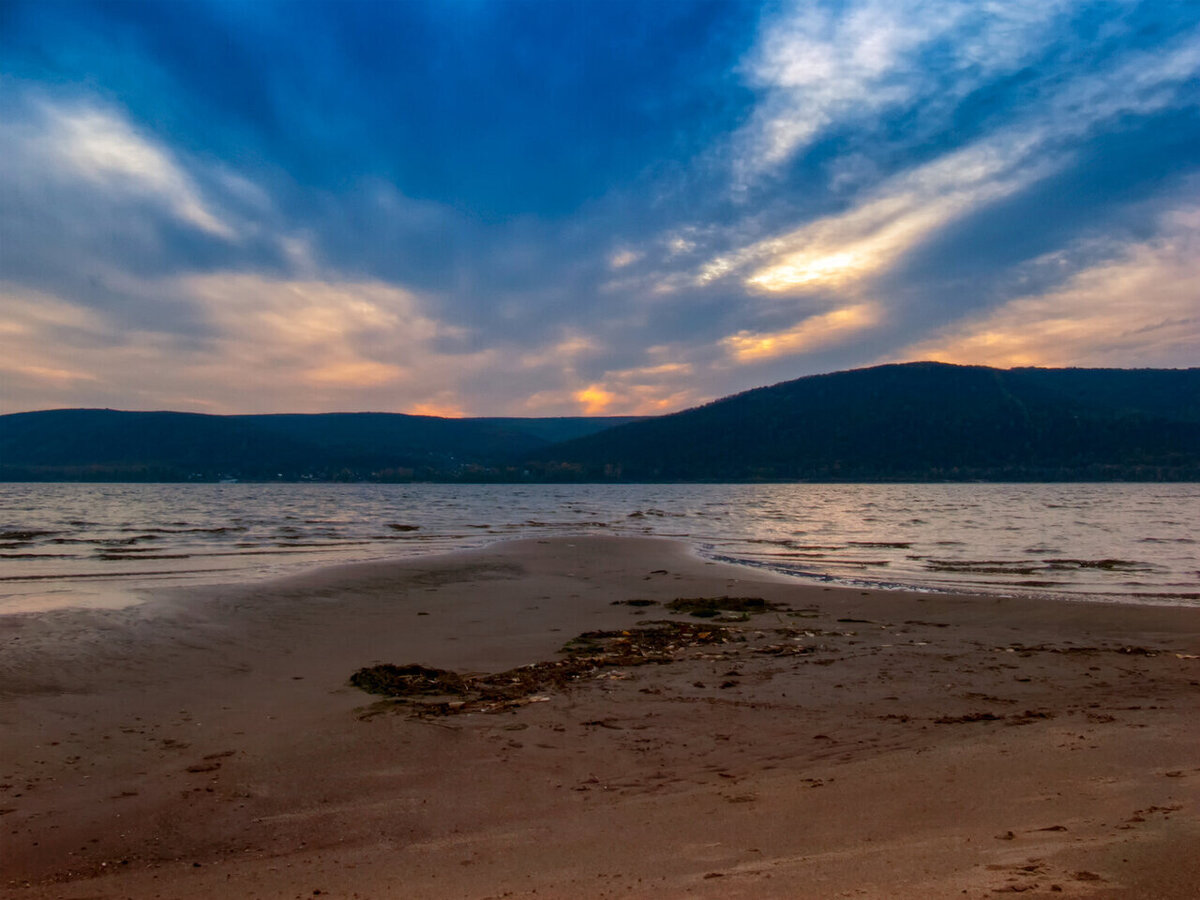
<point>65,545</point>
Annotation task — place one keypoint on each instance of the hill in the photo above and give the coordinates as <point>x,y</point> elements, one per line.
<point>907,422</point>
<point>915,421</point>
<point>112,445</point>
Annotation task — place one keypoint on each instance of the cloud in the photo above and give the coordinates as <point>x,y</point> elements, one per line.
<point>277,344</point>
<point>512,209</point>
<point>100,146</point>
<point>621,258</point>
<point>837,272</point>
<point>898,213</point>
<point>834,327</point>
<point>1141,308</point>
<point>840,249</point>
<point>274,344</point>
<point>821,66</point>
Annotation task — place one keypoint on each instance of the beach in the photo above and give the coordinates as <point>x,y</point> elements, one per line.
<point>807,741</point>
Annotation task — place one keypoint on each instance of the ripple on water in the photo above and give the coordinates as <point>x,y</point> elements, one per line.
<point>1111,540</point>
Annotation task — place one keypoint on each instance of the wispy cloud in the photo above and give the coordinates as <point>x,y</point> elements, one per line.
<point>853,245</point>
<point>1141,308</point>
<point>898,213</point>
<point>828,269</point>
<point>273,344</point>
<point>98,145</point>
<point>820,66</point>
<point>824,330</point>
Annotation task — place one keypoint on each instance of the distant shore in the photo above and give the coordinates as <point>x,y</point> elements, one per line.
<point>804,741</point>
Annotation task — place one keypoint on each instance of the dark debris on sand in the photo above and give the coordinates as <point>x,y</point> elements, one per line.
<point>427,691</point>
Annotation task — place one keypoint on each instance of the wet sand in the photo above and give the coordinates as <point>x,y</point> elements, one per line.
<point>847,743</point>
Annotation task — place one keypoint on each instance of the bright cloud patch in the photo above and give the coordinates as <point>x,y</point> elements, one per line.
<point>831,328</point>
<point>819,66</point>
<point>100,146</point>
<point>840,249</point>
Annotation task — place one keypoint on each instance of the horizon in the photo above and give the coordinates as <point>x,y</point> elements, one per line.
<point>520,209</point>
<point>374,412</point>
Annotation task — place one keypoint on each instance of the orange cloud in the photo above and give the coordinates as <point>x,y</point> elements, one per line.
<point>1140,310</point>
<point>833,327</point>
<point>594,399</point>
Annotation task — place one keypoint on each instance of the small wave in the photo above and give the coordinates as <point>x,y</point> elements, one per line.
<point>982,567</point>
<point>285,548</point>
<point>1106,564</point>
<point>37,556</point>
<point>1158,540</point>
<point>218,529</point>
<point>117,557</point>
<point>298,542</point>
<point>276,550</point>
<point>534,523</point>
<point>897,545</point>
<point>29,534</point>
<point>86,576</point>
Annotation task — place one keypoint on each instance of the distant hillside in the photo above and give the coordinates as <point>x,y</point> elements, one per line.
<point>916,421</point>
<point>103,444</point>
<point>910,422</point>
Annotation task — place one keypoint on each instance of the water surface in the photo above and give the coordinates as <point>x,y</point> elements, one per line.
<point>110,544</point>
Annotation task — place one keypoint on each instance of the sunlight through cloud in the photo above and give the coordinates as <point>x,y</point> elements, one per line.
<point>833,327</point>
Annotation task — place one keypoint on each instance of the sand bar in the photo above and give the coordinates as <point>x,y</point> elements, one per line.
<point>845,743</point>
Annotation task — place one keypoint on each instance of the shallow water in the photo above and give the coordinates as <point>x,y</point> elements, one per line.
<point>65,545</point>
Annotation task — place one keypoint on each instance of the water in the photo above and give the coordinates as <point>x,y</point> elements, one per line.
<point>65,545</point>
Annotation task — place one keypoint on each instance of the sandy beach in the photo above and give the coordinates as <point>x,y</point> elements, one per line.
<point>824,742</point>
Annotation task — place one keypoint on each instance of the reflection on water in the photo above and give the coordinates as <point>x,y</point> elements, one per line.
<point>64,544</point>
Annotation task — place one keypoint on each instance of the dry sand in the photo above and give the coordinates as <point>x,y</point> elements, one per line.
<point>856,743</point>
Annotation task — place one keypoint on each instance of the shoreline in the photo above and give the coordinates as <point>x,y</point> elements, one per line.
<point>875,741</point>
<point>1063,541</point>
<point>120,596</point>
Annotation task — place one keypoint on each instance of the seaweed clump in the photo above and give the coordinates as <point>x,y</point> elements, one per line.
<point>430,692</point>
<point>408,681</point>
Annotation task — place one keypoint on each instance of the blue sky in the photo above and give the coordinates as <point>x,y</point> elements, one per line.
<point>553,208</point>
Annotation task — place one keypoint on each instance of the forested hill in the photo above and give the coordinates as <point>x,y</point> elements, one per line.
<point>917,421</point>
<point>111,445</point>
<point>911,422</point>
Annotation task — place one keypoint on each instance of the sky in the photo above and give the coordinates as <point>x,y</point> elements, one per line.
<point>584,207</point>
